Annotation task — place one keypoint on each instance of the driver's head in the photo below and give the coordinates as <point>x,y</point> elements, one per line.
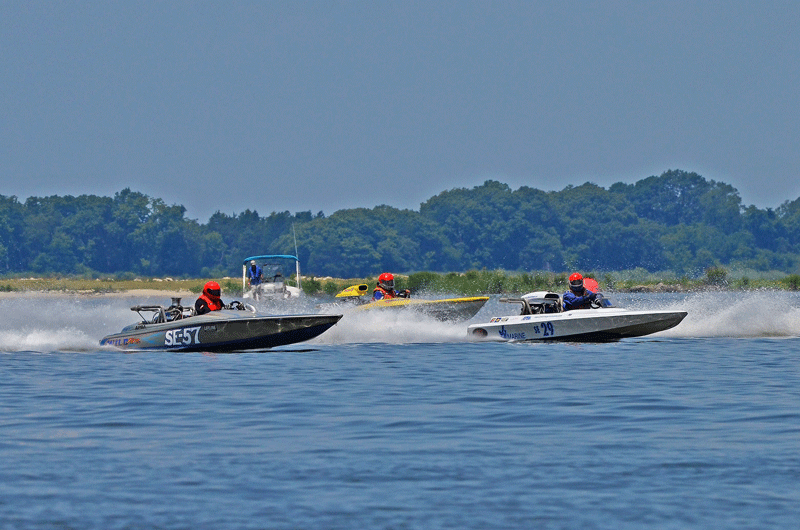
<point>212,290</point>
<point>576,283</point>
<point>386,281</point>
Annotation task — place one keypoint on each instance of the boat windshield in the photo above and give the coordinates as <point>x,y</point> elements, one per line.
<point>273,273</point>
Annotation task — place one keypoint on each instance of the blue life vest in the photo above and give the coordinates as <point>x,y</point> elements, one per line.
<point>255,278</point>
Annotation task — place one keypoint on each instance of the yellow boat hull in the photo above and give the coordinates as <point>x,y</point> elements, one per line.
<point>448,309</point>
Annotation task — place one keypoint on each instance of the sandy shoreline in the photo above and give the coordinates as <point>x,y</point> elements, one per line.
<point>184,294</point>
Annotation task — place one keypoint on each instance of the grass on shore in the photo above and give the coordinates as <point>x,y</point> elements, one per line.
<point>471,283</point>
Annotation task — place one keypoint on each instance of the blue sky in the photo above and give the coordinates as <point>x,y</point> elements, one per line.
<point>320,106</point>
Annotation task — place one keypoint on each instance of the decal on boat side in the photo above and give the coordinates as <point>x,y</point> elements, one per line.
<point>546,329</point>
<point>182,336</point>
<point>122,342</point>
<point>511,336</point>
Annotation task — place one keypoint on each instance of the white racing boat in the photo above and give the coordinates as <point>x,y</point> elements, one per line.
<point>236,327</point>
<point>542,318</point>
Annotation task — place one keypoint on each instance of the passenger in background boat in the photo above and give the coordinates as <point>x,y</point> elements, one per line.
<point>578,297</point>
<point>210,299</point>
<point>255,274</point>
<point>384,290</point>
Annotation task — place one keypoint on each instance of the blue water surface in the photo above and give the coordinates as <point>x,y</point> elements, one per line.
<point>663,432</point>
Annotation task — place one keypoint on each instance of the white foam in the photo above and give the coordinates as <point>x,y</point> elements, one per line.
<point>46,324</point>
<point>391,326</point>
<point>738,315</point>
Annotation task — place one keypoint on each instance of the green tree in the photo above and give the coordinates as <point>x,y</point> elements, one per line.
<point>677,197</point>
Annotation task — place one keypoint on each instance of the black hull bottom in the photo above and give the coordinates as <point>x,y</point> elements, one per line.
<point>261,343</point>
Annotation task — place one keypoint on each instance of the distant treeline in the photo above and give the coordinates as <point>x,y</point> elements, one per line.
<point>678,221</point>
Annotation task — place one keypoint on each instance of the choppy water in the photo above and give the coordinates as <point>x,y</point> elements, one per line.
<point>402,424</point>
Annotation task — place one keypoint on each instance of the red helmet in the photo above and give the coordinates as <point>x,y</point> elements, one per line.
<point>576,282</point>
<point>212,290</point>
<point>386,281</point>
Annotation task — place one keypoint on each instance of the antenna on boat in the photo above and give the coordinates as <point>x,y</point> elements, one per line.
<point>297,262</point>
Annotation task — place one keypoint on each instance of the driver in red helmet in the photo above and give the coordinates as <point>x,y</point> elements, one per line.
<point>384,290</point>
<point>210,299</point>
<point>578,296</point>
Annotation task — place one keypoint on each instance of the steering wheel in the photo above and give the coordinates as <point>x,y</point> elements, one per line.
<point>237,305</point>
<point>598,301</point>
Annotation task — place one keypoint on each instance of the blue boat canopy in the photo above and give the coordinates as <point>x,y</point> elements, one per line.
<point>264,260</point>
<point>268,256</point>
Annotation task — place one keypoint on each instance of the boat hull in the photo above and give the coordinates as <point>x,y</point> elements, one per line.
<point>592,325</point>
<point>448,309</point>
<point>222,331</point>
